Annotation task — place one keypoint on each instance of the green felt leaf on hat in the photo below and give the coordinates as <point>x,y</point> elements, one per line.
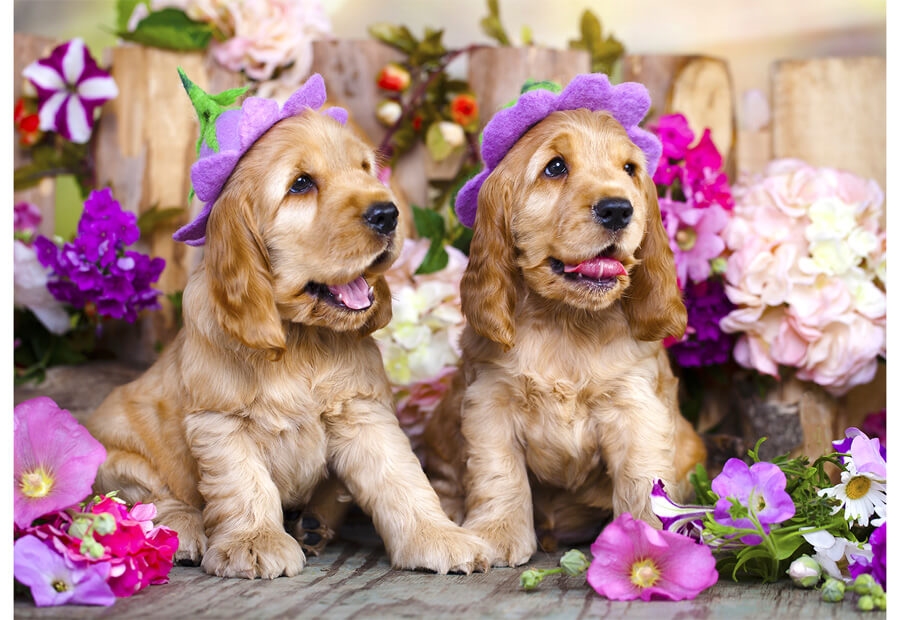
<point>209,108</point>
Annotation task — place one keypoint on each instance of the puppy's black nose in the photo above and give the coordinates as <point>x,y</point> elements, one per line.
<point>382,217</point>
<point>613,213</point>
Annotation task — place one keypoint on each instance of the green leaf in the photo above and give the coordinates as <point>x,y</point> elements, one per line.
<point>492,27</point>
<point>435,259</point>
<point>170,29</point>
<point>124,9</point>
<point>398,37</point>
<point>428,222</point>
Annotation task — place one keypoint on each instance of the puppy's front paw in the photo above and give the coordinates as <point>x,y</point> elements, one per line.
<point>508,547</point>
<point>188,524</point>
<point>266,555</point>
<point>449,549</point>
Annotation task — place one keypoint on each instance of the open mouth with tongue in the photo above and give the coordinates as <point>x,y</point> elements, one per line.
<point>355,295</point>
<point>599,272</point>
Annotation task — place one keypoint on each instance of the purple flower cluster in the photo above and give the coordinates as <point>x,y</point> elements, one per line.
<point>95,271</point>
<point>704,343</point>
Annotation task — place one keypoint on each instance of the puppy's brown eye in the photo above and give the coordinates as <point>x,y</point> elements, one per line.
<point>302,185</point>
<point>555,168</point>
<point>630,169</point>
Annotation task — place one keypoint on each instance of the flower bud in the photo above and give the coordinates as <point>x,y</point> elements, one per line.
<point>865,603</point>
<point>91,548</point>
<point>388,112</point>
<point>104,524</point>
<point>865,584</point>
<point>880,601</point>
<point>805,572</point>
<point>464,111</point>
<point>79,527</point>
<point>453,134</point>
<point>393,77</point>
<point>833,590</point>
<point>531,578</point>
<point>573,562</point>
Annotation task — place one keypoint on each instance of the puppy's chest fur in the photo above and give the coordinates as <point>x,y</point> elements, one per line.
<point>571,393</point>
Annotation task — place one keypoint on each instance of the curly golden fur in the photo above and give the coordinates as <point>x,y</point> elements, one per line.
<point>274,381</point>
<point>565,407</point>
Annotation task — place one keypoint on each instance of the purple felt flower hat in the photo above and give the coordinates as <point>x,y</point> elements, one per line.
<point>628,103</point>
<point>226,133</point>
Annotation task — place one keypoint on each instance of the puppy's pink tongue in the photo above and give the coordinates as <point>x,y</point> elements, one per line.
<point>598,268</point>
<point>357,295</point>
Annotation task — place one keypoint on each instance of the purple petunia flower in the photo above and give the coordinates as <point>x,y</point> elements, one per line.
<point>95,268</point>
<point>868,455</point>
<point>694,237</point>
<point>55,460</point>
<point>877,565</point>
<point>751,491</point>
<point>56,580</point>
<point>70,87</point>
<point>632,560</point>
<point>685,520</point>
<point>27,218</point>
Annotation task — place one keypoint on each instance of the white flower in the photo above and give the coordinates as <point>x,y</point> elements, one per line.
<point>388,112</point>
<point>30,280</point>
<point>861,494</point>
<point>831,550</point>
<point>453,134</point>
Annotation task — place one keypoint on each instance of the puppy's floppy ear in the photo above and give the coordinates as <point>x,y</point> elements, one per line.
<point>653,302</point>
<point>240,277</point>
<point>488,287</point>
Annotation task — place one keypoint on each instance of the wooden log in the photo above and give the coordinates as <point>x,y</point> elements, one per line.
<point>26,49</point>
<point>145,146</point>
<point>496,74</point>
<point>832,112</point>
<point>697,86</point>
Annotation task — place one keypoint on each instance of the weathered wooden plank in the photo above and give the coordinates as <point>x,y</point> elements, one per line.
<point>832,112</point>
<point>697,86</point>
<point>496,74</point>
<point>353,579</point>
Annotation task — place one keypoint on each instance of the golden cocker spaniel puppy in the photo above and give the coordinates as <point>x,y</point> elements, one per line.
<point>564,410</point>
<point>274,380</point>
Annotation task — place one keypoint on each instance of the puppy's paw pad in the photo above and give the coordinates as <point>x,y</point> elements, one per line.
<point>313,535</point>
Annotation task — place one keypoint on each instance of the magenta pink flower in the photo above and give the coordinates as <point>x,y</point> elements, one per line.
<point>694,237</point>
<point>27,218</point>
<point>55,460</point>
<point>54,579</point>
<point>676,135</point>
<point>632,560</point>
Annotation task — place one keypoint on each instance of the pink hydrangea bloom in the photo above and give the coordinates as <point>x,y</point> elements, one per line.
<point>55,460</point>
<point>632,560</point>
<point>807,272</point>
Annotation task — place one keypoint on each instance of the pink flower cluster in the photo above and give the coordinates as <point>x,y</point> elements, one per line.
<point>694,199</point>
<point>66,552</point>
<point>807,274</point>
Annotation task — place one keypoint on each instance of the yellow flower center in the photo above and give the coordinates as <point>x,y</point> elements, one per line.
<point>858,487</point>
<point>60,586</point>
<point>644,573</point>
<point>37,483</point>
<point>686,238</point>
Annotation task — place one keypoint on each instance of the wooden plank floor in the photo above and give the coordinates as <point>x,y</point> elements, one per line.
<point>353,578</point>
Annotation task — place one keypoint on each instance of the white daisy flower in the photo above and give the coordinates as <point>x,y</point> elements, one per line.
<point>861,494</point>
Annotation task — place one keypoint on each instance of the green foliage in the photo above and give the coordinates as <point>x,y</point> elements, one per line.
<point>155,217</point>
<point>54,156</point>
<point>168,28</point>
<point>37,349</point>
<point>492,27</point>
<point>430,225</point>
<point>605,52</point>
